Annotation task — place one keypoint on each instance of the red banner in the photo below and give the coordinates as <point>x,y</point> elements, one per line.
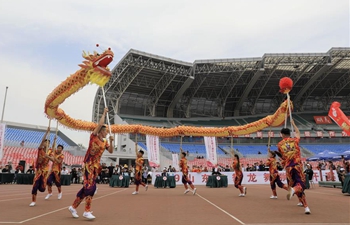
<point>319,133</point>
<point>270,134</point>
<point>259,134</point>
<point>339,117</point>
<point>331,134</point>
<point>322,120</point>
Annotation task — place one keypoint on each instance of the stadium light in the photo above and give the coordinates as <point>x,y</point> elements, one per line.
<point>3,107</point>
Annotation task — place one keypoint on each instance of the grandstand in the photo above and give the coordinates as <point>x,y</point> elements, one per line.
<point>22,140</point>
<point>158,91</point>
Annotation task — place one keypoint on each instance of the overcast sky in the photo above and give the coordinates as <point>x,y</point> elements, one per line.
<point>41,41</point>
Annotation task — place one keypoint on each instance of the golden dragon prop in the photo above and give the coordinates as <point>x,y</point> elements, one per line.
<point>94,70</point>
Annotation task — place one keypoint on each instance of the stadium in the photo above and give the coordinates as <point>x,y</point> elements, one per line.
<point>157,91</point>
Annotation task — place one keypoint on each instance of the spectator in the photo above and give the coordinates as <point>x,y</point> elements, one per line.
<point>164,173</point>
<point>110,170</point>
<point>22,143</point>
<point>249,168</point>
<point>74,174</point>
<point>64,171</point>
<point>261,166</point>
<point>30,170</point>
<point>216,171</point>
<point>79,175</point>
<point>227,168</point>
<point>10,166</point>
<point>341,175</point>
<point>309,172</point>
<point>6,169</point>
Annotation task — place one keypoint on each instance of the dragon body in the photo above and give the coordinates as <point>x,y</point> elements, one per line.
<point>95,70</point>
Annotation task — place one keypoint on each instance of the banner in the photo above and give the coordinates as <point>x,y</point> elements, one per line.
<point>254,177</point>
<point>210,147</point>
<point>307,134</point>
<point>175,161</point>
<point>323,120</point>
<point>339,117</point>
<point>152,143</point>
<point>2,139</point>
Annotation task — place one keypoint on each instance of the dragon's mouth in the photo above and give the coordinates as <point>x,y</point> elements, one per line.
<point>102,63</point>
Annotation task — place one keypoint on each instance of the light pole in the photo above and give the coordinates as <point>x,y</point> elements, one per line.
<point>3,107</point>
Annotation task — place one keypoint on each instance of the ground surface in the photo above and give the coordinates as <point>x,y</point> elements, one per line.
<point>170,206</point>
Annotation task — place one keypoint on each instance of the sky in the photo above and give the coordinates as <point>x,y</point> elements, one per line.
<point>41,42</point>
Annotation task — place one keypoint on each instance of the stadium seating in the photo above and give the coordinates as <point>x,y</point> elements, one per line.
<point>16,154</point>
<point>29,136</point>
<point>337,148</point>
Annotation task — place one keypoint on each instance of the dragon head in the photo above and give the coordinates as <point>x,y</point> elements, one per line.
<point>97,66</point>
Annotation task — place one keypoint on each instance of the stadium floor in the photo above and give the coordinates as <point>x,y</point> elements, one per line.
<point>170,206</point>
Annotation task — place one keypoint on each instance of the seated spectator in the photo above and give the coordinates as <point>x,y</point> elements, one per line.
<point>249,168</point>
<point>261,166</point>
<point>6,169</point>
<point>216,171</point>
<point>19,168</point>
<point>22,143</point>
<point>30,170</point>
<point>227,168</point>
<point>164,173</point>
<point>205,169</point>
<point>64,171</point>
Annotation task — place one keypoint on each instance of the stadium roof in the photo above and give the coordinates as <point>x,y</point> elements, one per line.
<point>144,84</point>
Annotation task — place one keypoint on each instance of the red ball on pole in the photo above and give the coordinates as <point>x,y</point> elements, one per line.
<point>286,85</point>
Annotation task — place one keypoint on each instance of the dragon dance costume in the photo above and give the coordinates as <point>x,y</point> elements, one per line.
<point>91,170</point>
<point>41,172</point>
<point>290,151</point>
<point>274,176</point>
<point>55,175</point>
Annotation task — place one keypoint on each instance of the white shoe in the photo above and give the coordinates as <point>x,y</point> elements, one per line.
<point>187,190</point>
<point>96,191</point>
<point>300,204</point>
<point>241,195</point>
<point>48,196</point>
<point>307,210</point>
<point>146,187</point>
<point>59,195</point>
<point>194,191</point>
<point>88,215</point>
<point>290,193</point>
<point>135,192</point>
<point>32,204</point>
<point>273,197</point>
<point>73,211</point>
<point>245,190</point>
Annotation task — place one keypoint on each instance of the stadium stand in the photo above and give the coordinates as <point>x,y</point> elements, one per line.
<point>163,92</point>
<point>16,135</point>
<point>336,148</point>
<point>14,151</point>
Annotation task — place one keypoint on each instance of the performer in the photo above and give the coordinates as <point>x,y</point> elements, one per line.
<point>39,182</point>
<point>274,176</point>
<point>138,171</point>
<point>236,165</point>
<point>56,156</point>
<point>290,153</point>
<point>184,169</point>
<point>97,146</point>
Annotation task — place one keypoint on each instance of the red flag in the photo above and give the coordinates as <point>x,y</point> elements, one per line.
<point>339,117</point>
